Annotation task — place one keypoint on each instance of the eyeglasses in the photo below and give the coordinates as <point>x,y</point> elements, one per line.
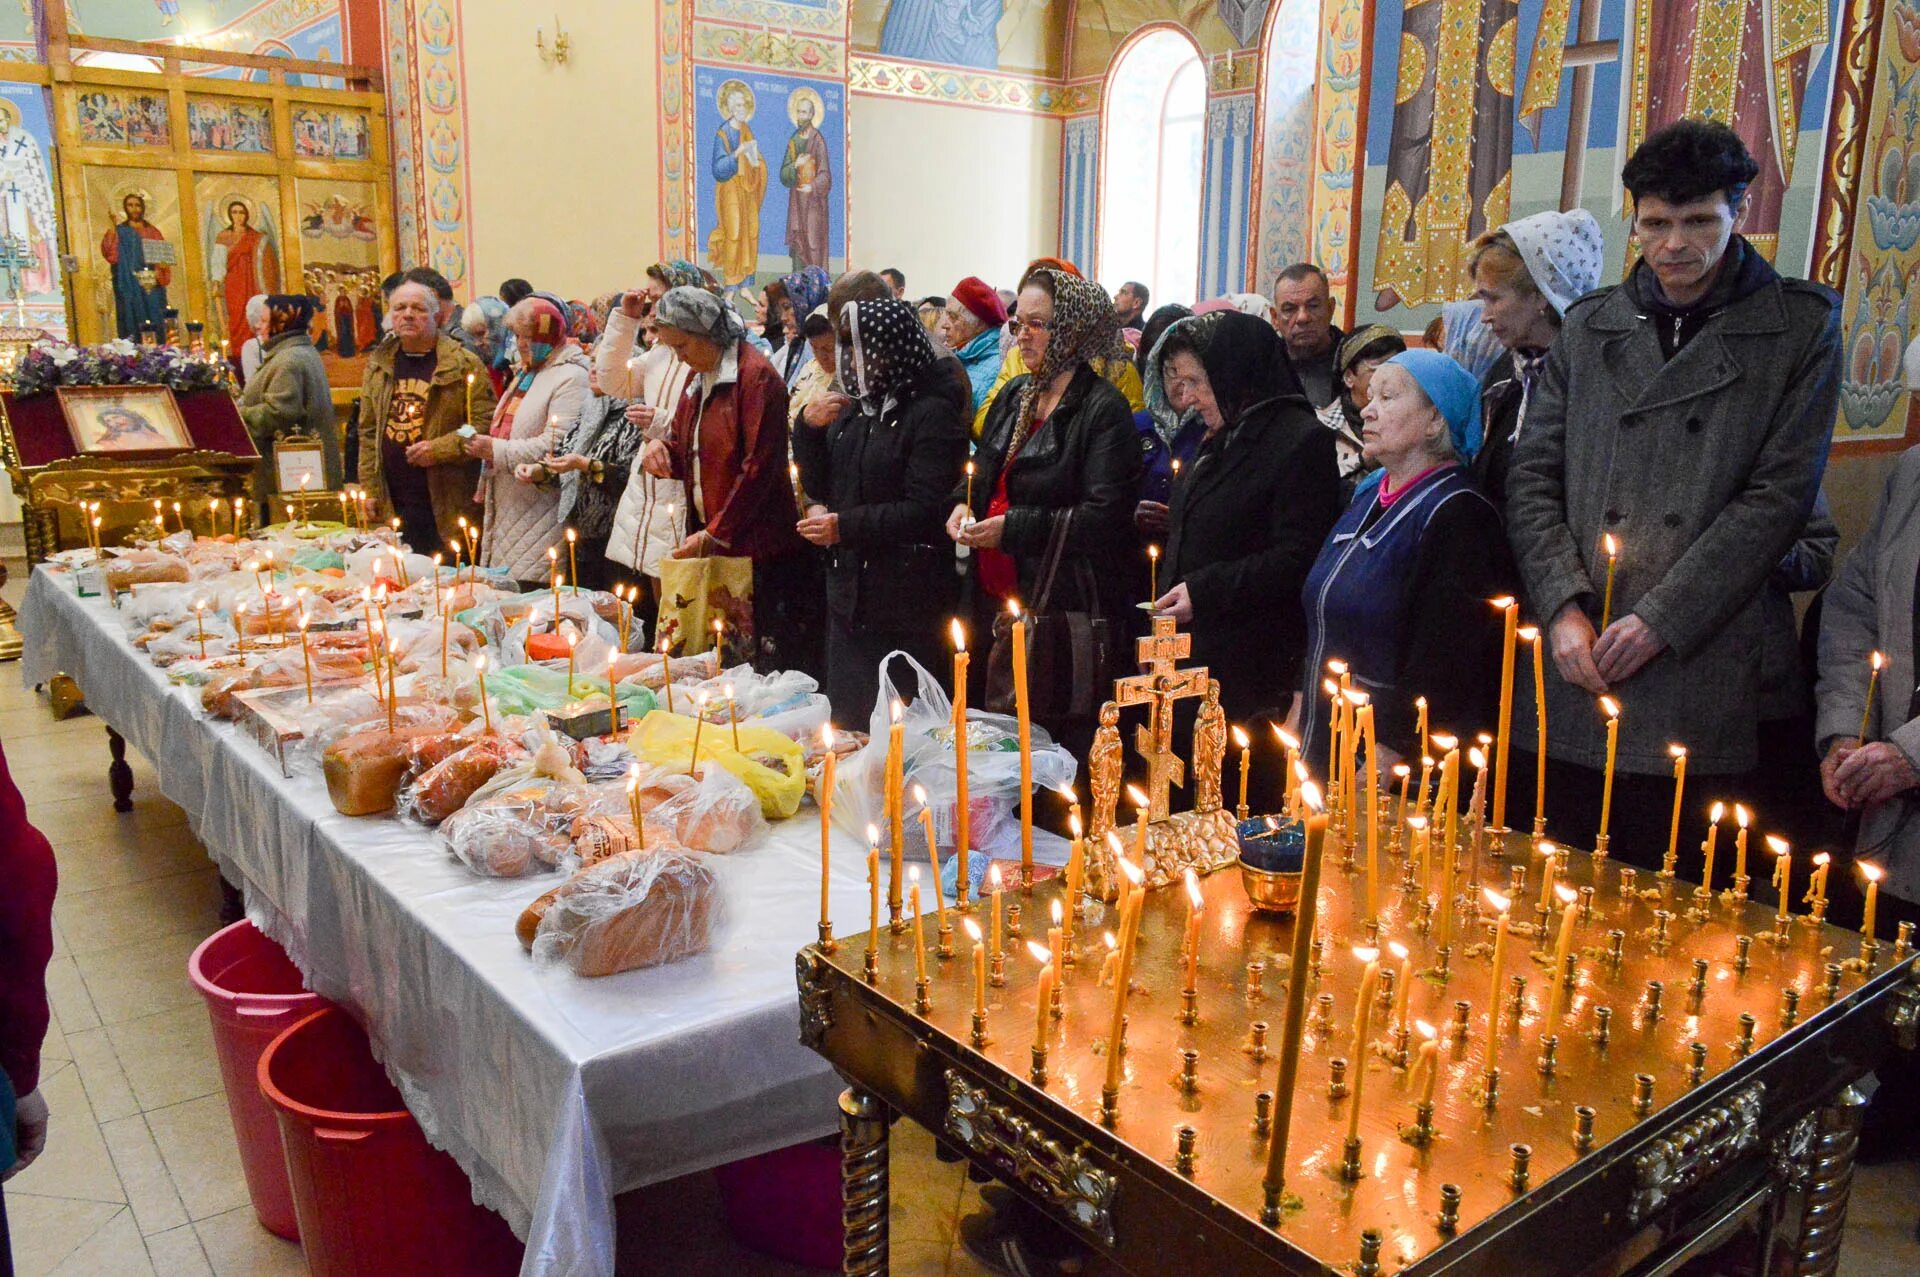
<point>1041,326</point>
<point>1183,385</point>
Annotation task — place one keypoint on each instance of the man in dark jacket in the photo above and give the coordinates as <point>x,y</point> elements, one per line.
<point>1687,414</point>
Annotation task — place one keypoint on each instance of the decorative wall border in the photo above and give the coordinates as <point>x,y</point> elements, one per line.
<point>427,110</point>
<point>676,130</point>
<point>960,86</point>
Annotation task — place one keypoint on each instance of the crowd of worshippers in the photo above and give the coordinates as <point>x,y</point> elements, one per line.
<point>1288,492</point>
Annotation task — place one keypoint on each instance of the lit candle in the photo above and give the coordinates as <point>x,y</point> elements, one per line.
<point>1873,874</point>
<point>933,852</point>
<point>1782,871</point>
<point>1419,853</point>
<point>1113,958</point>
<point>572,641</point>
<point>1426,776</point>
<point>1056,939</point>
<point>1449,836</point>
<point>480,672</point>
<point>633,807</point>
<point>573,558</point>
<point>1294,1024</point>
<point>1139,800</point>
<point>1533,636</point>
<point>919,936</point>
<point>1404,774</point>
<point>1817,886</point>
<point>306,657</point>
<point>1123,972</point>
<point>1362,1033</point>
<point>1876,660</point>
<point>1402,984</point>
<point>1503,730</point>
<point>1292,750</point>
<point>825,798</point>
<point>1613,559</point>
<point>1076,869</point>
<point>1190,946</point>
<point>969,491</point>
<point>1153,574</point>
<point>699,721</point>
<point>666,672</point>
<point>1420,725</point>
<point>1549,862</point>
<point>1712,842</point>
<point>1023,717</point>
<point>179,517</point>
<point>1240,739</point>
<point>895,805</point>
<point>1364,723</point>
<point>613,694</point>
<point>1501,906</point>
<point>469,399</point>
<point>1611,708</point>
<point>993,883</point>
<point>962,817</point>
<point>873,893</point>
<point>1043,996</point>
<point>979,958</point>
<point>1426,1069</point>
<point>1557,977</point>
<point>200,623</point>
<point>240,630</point>
<point>1679,753</point>
<point>1740,818</point>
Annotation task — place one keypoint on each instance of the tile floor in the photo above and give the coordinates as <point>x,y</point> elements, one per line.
<point>140,1174</point>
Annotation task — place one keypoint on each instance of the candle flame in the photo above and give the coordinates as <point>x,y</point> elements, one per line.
<point>1424,1029</point>
<point>480,663</point>
<point>1040,952</point>
<point>1485,739</point>
<point>913,876</point>
<point>1417,822</point>
<point>959,635</point>
<point>1678,751</point>
<point>1013,609</point>
<point>1310,797</point>
<point>873,834</point>
<point>1113,841</point>
<point>572,536</point>
<point>1871,872</point>
<point>1240,737</point>
<point>1823,860</point>
<point>1740,814</point>
<point>573,640</point>
<point>1879,660</point>
<point>1446,743</point>
<point>1528,633</point>
<point>1366,953</point>
<point>1193,888</point>
<point>1777,845</point>
<point>1355,696</point>
<point>920,794</point>
<point>633,778</point>
<point>1397,949</point>
<point>993,876</point>
<point>1133,872</point>
<point>1153,552</point>
<point>969,468</point>
<point>1330,687</point>
<point>1567,894</point>
<point>1073,823</point>
<point>826,738</point>
<point>553,555</point>
<point>1135,796</point>
<point>1402,770</point>
<point>1477,756</point>
<point>1504,602</point>
<point>1719,810</point>
<point>1613,546</point>
<point>972,928</point>
<point>1299,771</point>
<point>1499,902</point>
<point>893,711</point>
<point>1336,667</point>
<point>1285,737</point>
<point>1111,942</point>
<point>1609,707</point>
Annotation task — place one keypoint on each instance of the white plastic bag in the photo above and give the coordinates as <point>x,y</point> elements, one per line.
<point>717,814</point>
<point>636,909</point>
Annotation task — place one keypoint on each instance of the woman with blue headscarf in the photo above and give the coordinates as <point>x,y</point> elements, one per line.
<point>1400,591</point>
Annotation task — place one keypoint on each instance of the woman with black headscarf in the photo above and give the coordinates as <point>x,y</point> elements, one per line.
<point>880,475</point>
<point>289,394</point>
<point>1249,513</point>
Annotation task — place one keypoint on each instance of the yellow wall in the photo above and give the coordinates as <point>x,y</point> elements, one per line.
<point>564,159</point>
<point>943,192</point>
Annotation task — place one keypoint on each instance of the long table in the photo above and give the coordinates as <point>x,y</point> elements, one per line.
<point>554,1093</point>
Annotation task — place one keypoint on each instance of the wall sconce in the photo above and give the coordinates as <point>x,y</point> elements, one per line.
<point>558,53</point>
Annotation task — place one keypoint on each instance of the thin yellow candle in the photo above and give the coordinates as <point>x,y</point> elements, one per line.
<point>1419,853</point>
<point>1501,906</point>
<point>1402,984</point>
<point>1056,938</point>
<point>613,694</point>
<point>873,892</point>
<point>1426,1069</point>
<point>979,957</point>
<point>1245,744</point>
<point>213,517</point>
<point>1503,730</point>
<point>480,672</point>
<point>553,581</point>
<point>1549,863</point>
<point>919,936</point>
<point>666,672</point>
<point>1613,560</point>
<point>179,517</point>
<point>1817,883</point>
<point>1043,996</point>
<point>699,721</point>
<point>1123,973</point>
<point>933,852</point>
<point>1873,874</point>
<point>306,657</point>
<point>1876,660</point>
<point>633,807</point>
<point>573,641</point>
<point>1420,725</point>
<point>240,632</point>
<point>1153,573</point>
<point>1293,1026</point>
<point>1557,977</point>
<point>733,724</point>
<point>573,558</point>
<point>1362,1033</point>
<point>1139,800</point>
<point>962,817</point>
<point>1740,818</point>
<point>200,624</point>
<point>1711,843</point>
<point>896,801</point>
<point>1426,776</point>
<point>1023,715</point>
<point>1403,774</point>
<point>1449,839</point>
<point>1611,708</point>
<point>1291,748</point>
<point>1112,960</point>
<point>1076,868</point>
<point>469,416</point>
<point>993,885</point>
<point>1368,808</point>
<point>969,489</point>
<point>824,797</point>
<point>446,621</point>
<point>1190,945</point>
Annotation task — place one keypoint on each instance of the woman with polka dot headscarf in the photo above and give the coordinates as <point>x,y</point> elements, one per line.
<point>878,479</point>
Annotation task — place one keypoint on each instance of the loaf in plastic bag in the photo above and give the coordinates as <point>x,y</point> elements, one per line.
<point>717,813</point>
<point>509,835</point>
<point>444,788</point>
<point>772,765</point>
<point>636,909</point>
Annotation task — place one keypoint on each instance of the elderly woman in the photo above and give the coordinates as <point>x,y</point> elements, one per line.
<point>879,476</point>
<point>539,409</point>
<point>1358,356</point>
<point>790,299</point>
<point>1525,275</point>
<point>1400,589</point>
<point>290,395</point>
<point>1250,511</point>
<point>1058,458</point>
<point>728,444</point>
<point>592,465</point>
<point>485,323</point>
<point>252,352</point>
<point>816,398</point>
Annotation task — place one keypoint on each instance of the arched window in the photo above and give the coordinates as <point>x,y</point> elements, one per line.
<point>1151,158</point>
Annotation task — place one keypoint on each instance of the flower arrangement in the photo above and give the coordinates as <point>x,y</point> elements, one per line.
<point>50,364</point>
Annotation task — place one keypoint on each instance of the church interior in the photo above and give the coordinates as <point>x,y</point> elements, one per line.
<point>181,180</point>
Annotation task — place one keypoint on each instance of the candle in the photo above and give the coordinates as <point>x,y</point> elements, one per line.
<point>919,936</point>
<point>1782,871</point>
<point>1501,906</point>
<point>1139,801</point>
<point>1023,713</point>
<point>1549,862</point>
<point>573,559</point>
<point>1294,1023</point>
<point>969,491</point>
<point>1613,559</point>
<point>1332,689</point>
<point>666,672</point>
<point>1426,775</point>
<point>1043,996</point>
<point>1190,946</point>
<point>699,721</point>
<point>1707,847</point>
<point>240,630</point>
<point>824,796</point>
<point>1362,1032</point>
<point>1420,725</point>
<point>469,417</point>
<point>200,623</point>
<point>1817,886</point>
<point>613,695</point>
<point>1740,818</point>
<point>180,518</point>
<point>1679,753</point>
<point>1557,977</point>
<point>1404,774</point>
<point>1076,868</point>
<point>1873,874</point>
<point>873,893</point>
<point>1365,726</point>
<point>1450,797</point>
<point>895,804</point>
<point>306,657</point>
<point>1056,939</point>
<point>933,852</point>
<point>1476,802</point>
<point>733,723</point>
<point>573,641</point>
<point>1402,984</point>
<point>1292,750</point>
<point>1611,708</point>
<point>1123,973</point>
<point>1419,853</point>
<point>480,672</point>
<point>446,620</point>
<point>633,806</point>
<point>1113,957</point>
<point>1153,574</point>
<point>1240,739</point>
<point>962,816</point>
<point>1876,660</point>
<point>393,725</point>
<point>979,960</point>
<point>1503,730</point>
<point>993,880</point>
<point>1426,1069</point>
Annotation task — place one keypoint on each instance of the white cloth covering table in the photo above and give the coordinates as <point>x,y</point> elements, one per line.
<point>554,1093</point>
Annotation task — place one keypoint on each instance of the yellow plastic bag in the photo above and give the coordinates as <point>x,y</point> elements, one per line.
<point>694,593</point>
<point>666,740</point>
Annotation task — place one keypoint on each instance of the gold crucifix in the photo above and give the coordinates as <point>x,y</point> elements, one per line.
<point>1158,685</point>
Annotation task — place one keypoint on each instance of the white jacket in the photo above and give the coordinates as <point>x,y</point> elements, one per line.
<point>523,519</point>
<point>651,518</point>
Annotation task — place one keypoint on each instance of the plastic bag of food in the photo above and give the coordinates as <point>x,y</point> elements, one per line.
<point>444,788</point>
<point>333,720</point>
<point>717,813</point>
<point>773,766</point>
<point>650,670</point>
<point>532,689</point>
<point>143,567</point>
<point>636,909</point>
<point>508,835</point>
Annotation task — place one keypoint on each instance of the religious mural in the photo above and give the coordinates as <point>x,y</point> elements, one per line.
<point>426,118</point>
<point>983,35</point>
<point>237,126</point>
<point>770,156</point>
<point>30,281</point>
<point>242,247</point>
<point>1100,27</point>
<point>133,223</point>
<point>340,257</point>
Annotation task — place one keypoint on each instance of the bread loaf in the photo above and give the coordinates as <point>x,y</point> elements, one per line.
<point>364,769</point>
<point>635,909</point>
<point>444,788</point>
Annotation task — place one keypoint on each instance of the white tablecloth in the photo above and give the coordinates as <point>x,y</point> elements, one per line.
<point>553,1092</point>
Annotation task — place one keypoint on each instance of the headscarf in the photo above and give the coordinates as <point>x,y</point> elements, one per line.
<point>1562,251</point>
<point>694,310</point>
<point>1251,304</point>
<point>1468,340</point>
<point>806,288</point>
<point>884,349</point>
<point>549,334</point>
<point>581,321</point>
<point>1084,328</point>
<point>1357,341</point>
<point>288,313</point>
<point>1452,391</point>
<point>1166,419</point>
<point>494,343</point>
<point>678,272</point>
<point>1245,363</point>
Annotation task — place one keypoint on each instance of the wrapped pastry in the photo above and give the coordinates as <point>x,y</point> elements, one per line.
<point>145,567</point>
<point>507,836</point>
<point>636,909</point>
<point>444,788</point>
<point>364,769</point>
<point>717,814</point>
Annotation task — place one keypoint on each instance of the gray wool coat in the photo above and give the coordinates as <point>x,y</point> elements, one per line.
<point>289,395</point>
<point>1703,467</point>
<point>1868,608</point>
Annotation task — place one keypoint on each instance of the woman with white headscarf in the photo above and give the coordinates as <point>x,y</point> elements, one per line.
<point>1525,275</point>
<point>879,477</point>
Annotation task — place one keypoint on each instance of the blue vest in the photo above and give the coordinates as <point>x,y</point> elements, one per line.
<point>1356,594</point>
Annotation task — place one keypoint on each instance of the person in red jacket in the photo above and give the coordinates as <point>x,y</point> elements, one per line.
<point>26,946</point>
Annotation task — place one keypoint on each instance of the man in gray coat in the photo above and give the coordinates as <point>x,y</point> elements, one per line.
<point>1686,413</point>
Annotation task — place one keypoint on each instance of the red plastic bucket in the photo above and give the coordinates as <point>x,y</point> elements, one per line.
<point>787,1203</point>
<point>252,993</point>
<point>373,1197</point>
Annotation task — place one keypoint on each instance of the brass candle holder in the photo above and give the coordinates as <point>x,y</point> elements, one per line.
<point>1742,953</point>
<point>1629,884</point>
<point>922,998</point>
<point>997,970</point>
<point>1256,980</point>
<point>1189,1070</point>
<point>1337,1079</point>
<point>1586,904</point>
<point>1902,937</point>
<point>1830,987</point>
<point>1789,1007</point>
<point>1616,948</point>
<point>1257,1042</point>
<point>1189,1006</point>
<point>1744,1047</point>
<point>871,969</point>
<point>1037,1072</point>
<point>1462,1021</point>
<point>1519,1170</point>
<point>1548,1046</point>
<point>1642,1094</point>
<point>1350,1160</point>
<point>1185,1139</point>
<point>1696,1063</point>
<point>1263,1114</point>
<point>1602,1027</point>
<point>1741,883</point>
<point>1656,996</point>
<point>1109,1105</point>
<point>1490,1083</point>
<point>827,942</point>
<point>979,1034</point>
<point>1583,1127</point>
<point>1447,1222</point>
<point>1699,985</point>
<point>945,948</point>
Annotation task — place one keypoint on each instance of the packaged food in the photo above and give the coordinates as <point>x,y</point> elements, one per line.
<point>444,788</point>
<point>364,769</point>
<point>770,763</point>
<point>718,813</point>
<point>507,836</point>
<point>636,909</point>
<point>144,567</point>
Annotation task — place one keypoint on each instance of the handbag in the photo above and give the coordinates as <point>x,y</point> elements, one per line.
<point>694,593</point>
<point>1069,651</point>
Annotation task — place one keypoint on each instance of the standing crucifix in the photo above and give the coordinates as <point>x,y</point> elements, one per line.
<point>1159,684</point>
